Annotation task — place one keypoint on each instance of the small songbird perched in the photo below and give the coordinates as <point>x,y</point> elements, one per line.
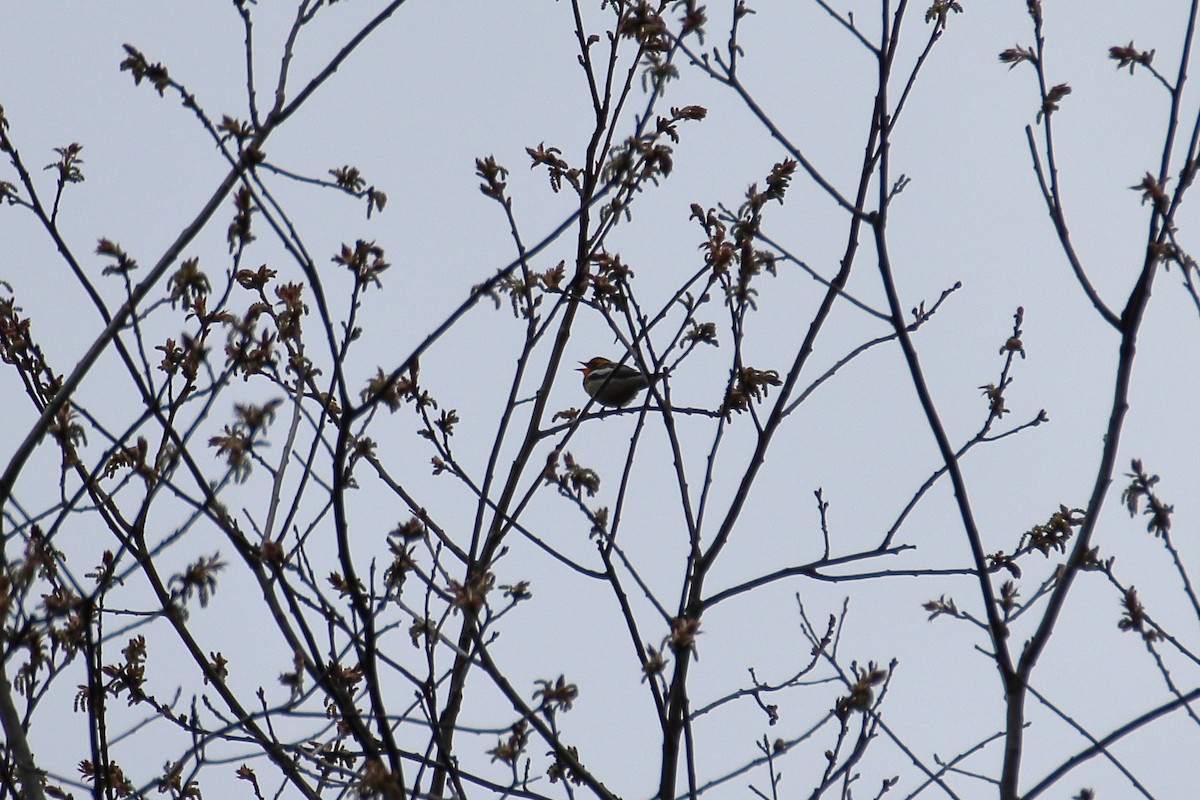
<point>612,384</point>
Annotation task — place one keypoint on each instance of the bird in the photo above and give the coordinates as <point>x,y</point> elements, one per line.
<point>612,384</point>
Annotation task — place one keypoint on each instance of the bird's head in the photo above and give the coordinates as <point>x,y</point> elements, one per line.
<point>592,364</point>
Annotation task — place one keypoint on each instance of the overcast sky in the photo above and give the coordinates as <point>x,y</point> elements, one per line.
<point>443,83</point>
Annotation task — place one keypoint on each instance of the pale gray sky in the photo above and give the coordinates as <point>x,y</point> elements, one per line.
<point>443,83</point>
